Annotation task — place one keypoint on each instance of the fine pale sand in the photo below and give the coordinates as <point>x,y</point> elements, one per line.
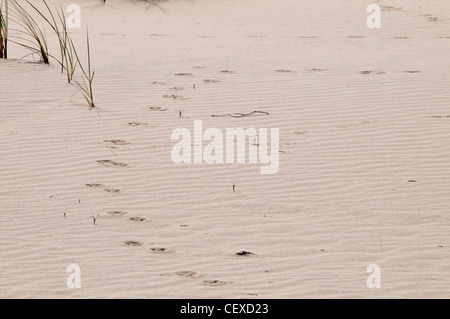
<point>364,178</point>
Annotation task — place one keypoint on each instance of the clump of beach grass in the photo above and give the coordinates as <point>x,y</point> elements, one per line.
<point>32,37</point>
<point>69,54</point>
<point>31,32</point>
<point>66,47</point>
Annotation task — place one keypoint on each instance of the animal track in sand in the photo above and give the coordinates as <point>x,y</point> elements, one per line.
<point>117,142</point>
<point>137,124</point>
<point>284,71</point>
<point>133,243</point>
<point>160,250</point>
<point>188,274</point>
<point>110,163</point>
<point>226,71</point>
<point>176,88</point>
<point>216,282</point>
<point>105,188</point>
<point>138,219</point>
<point>183,74</point>
<point>159,83</point>
<point>210,81</point>
<point>412,71</point>
<point>390,8</point>
<point>95,185</point>
<point>315,70</point>
<point>112,190</point>
<point>441,116</point>
<point>157,108</point>
<point>117,213</point>
<point>371,72</point>
<point>175,97</point>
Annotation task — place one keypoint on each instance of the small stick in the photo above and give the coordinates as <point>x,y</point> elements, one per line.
<point>234,187</point>
<point>94,218</point>
<point>180,112</point>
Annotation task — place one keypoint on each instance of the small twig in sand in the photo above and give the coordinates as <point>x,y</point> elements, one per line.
<point>94,218</point>
<point>180,112</point>
<point>234,187</point>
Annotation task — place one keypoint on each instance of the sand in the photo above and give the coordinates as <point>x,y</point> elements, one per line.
<point>364,175</point>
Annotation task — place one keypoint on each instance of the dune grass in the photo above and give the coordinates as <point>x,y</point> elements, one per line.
<point>32,36</point>
<point>4,30</point>
<point>69,55</point>
<point>85,87</point>
<point>69,58</point>
<point>66,47</point>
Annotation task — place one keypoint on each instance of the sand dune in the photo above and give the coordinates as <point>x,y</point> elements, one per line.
<point>364,174</point>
